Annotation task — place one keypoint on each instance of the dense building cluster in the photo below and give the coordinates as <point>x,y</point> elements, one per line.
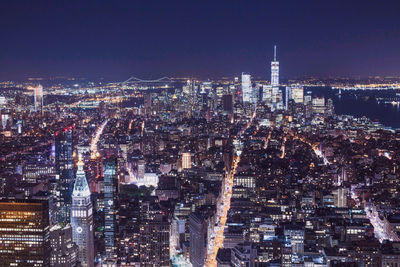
<point>194,173</point>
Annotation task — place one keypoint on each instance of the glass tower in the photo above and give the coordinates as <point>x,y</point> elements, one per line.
<point>247,90</point>
<point>110,209</point>
<point>275,70</point>
<point>64,169</point>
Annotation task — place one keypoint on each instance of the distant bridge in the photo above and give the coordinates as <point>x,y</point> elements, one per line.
<point>138,80</point>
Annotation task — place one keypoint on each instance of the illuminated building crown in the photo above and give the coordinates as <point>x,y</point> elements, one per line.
<point>81,187</point>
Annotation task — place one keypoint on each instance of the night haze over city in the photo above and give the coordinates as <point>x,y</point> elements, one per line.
<point>199,133</point>
<point>115,39</point>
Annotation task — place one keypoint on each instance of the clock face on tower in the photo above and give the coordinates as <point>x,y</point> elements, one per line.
<point>110,202</point>
<point>79,230</point>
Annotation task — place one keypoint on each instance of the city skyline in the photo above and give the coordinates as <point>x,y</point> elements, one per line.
<point>155,39</point>
<point>231,159</point>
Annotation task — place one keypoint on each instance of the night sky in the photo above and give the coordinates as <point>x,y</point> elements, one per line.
<point>151,39</point>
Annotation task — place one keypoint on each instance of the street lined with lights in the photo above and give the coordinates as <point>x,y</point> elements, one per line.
<point>223,206</point>
<point>95,140</point>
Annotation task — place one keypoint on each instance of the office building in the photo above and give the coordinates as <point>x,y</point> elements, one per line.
<point>24,233</point>
<point>198,239</point>
<point>64,163</point>
<point>38,98</point>
<point>340,197</point>
<point>227,101</point>
<point>3,101</point>
<point>275,70</point>
<point>288,96</point>
<point>276,98</point>
<point>244,255</point>
<point>64,252</point>
<point>110,210</point>
<point>205,87</point>
<point>154,236</point>
<point>154,242</point>
<point>187,88</point>
<point>19,127</point>
<point>186,160</point>
<point>247,89</point>
<point>318,105</point>
<point>141,169</point>
<point>219,91</point>
<point>4,120</point>
<point>267,93</point>
<point>82,218</point>
<point>295,236</point>
<point>297,94</point>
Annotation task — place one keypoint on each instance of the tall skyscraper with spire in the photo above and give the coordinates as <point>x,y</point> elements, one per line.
<point>82,218</point>
<point>275,70</point>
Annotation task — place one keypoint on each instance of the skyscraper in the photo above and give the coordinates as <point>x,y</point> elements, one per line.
<point>24,233</point>
<point>110,210</point>
<point>186,160</point>
<point>147,103</point>
<point>186,89</point>
<point>38,98</point>
<point>227,101</point>
<point>275,70</point>
<point>154,233</point>
<point>64,169</point>
<point>64,252</point>
<point>297,94</point>
<point>198,239</point>
<point>141,169</point>
<point>246,88</point>
<point>276,98</point>
<point>205,87</point>
<point>154,242</point>
<point>267,93</point>
<point>295,236</point>
<point>318,105</point>
<point>288,93</point>
<point>340,197</point>
<point>82,218</point>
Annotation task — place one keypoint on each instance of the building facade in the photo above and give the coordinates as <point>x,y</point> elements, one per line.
<point>64,252</point>
<point>110,209</point>
<point>38,98</point>
<point>275,70</point>
<point>82,218</point>
<point>24,233</point>
<point>64,170</point>
<point>247,90</point>
<point>186,160</point>
<point>198,239</point>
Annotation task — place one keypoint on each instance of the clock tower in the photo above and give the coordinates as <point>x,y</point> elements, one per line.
<point>82,218</point>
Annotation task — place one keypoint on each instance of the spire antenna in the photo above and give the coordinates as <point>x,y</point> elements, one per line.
<point>274,52</point>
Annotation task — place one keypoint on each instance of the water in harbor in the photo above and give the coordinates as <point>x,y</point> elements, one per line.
<point>368,103</point>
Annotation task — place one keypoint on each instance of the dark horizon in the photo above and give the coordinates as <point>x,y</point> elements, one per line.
<point>200,39</point>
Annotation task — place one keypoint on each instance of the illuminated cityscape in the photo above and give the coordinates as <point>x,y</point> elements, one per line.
<point>221,162</point>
